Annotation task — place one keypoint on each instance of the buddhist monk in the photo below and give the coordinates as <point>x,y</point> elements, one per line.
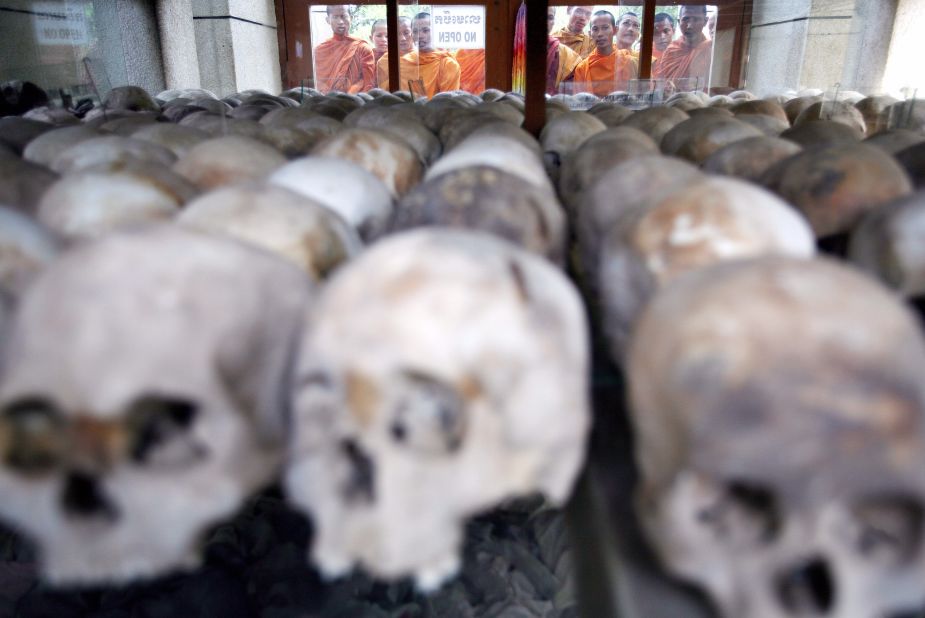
<point>628,32</point>
<point>560,59</point>
<point>406,70</point>
<point>691,54</point>
<point>573,34</point>
<point>439,71</point>
<point>606,69</point>
<point>471,69</point>
<point>343,62</point>
<point>379,35</point>
<point>664,32</point>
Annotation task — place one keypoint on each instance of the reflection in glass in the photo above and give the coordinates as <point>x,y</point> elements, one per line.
<point>343,62</point>
<point>686,62</point>
<point>442,48</point>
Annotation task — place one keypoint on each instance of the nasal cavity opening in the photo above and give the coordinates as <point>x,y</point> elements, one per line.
<point>808,589</point>
<point>83,497</point>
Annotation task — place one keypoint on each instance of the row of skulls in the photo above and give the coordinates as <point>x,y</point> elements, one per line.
<point>179,339</point>
<point>778,424</point>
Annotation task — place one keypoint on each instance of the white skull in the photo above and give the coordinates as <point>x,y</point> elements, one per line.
<point>293,226</point>
<point>344,187</point>
<point>143,398</point>
<point>25,248</point>
<point>444,372</point>
<point>778,413</point>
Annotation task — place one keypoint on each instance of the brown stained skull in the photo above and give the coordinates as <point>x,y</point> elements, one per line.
<point>597,155</point>
<point>383,155</point>
<point>143,398</point>
<point>833,186</point>
<point>490,200</point>
<point>444,371</point>
<point>696,139</point>
<point>628,187</point>
<point>749,158</point>
<point>780,436</point>
<point>708,221</point>
<point>655,121</point>
<point>833,111</point>
<point>887,244</point>
<point>228,160</point>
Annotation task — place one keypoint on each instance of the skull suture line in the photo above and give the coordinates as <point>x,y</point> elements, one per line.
<point>778,408</point>
<point>444,371</point>
<point>142,398</point>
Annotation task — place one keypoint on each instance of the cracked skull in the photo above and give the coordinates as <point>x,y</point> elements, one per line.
<point>142,398</point>
<point>780,437</point>
<point>444,372</point>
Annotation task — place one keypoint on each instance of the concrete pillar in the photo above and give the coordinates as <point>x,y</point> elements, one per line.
<point>904,63</point>
<point>178,43</point>
<point>237,45</point>
<point>778,40</point>
<point>866,58</point>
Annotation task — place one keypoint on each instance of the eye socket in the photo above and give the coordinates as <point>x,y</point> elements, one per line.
<point>160,432</point>
<point>888,529</point>
<point>430,417</point>
<point>33,436</point>
<point>742,514</point>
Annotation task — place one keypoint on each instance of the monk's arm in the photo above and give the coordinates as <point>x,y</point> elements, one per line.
<point>449,76</point>
<point>382,73</point>
<point>366,70</point>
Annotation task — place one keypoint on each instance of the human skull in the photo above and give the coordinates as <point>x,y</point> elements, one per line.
<point>444,372</point>
<point>314,238</point>
<point>343,186</point>
<point>491,200</point>
<point>705,222</point>
<point>25,249</point>
<point>143,398</point>
<point>780,439</point>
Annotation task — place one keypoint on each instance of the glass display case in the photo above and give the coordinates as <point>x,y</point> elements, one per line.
<point>643,133</point>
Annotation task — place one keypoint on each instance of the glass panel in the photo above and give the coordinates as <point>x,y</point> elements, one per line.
<point>593,48</point>
<point>685,58</point>
<point>443,49</point>
<point>347,42</point>
<point>69,48</point>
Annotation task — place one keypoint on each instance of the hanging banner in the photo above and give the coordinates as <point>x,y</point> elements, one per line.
<point>458,27</point>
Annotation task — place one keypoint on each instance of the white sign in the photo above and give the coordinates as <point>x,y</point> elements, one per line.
<point>60,23</point>
<point>458,27</point>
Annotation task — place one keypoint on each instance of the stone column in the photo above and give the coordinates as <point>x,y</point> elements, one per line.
<point>237,45</point>
<point>178,43</point>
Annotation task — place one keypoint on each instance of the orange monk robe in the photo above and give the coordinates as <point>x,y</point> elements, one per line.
<point>568,60</point>
<point>581,43</point>
<point>436,69</point>
<point>344,63</point>
<point>604,74</point>
<point>377,55</point>
<point>471,70</point>
<point>679,60</point>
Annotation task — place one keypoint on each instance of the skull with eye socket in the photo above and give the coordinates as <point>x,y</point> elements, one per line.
<point>443,372</point>
<point>779,413</point>
<point>142,399</point>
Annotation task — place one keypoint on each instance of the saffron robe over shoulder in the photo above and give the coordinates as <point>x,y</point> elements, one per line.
<point>604,74</point>
<point>680,60</point>
<point>471,70</point>
<point>344,63</point>
<point>580,43</point>
<point>560,64</point>
<point>437,70</point>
